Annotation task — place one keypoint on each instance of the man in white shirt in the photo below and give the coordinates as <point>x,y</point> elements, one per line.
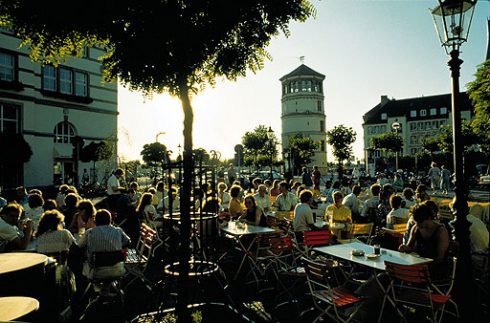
<point>262,199</point>
<point>12,235</point>
<point>113,184</point>
<point>351,201</point>
<point>286,201</point>
<point>303,216</point>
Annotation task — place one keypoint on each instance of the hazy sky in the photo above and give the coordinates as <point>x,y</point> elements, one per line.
<point>365,48</point>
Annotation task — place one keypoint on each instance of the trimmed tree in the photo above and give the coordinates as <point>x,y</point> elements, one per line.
<point>303,149</point>
<point>15,152</point>
<point>257,147</point>
<point>341,139</point>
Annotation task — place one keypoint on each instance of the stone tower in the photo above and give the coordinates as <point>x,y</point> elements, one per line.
<point>303,110</point>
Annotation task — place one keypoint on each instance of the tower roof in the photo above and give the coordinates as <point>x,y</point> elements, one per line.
<point>302,70</point>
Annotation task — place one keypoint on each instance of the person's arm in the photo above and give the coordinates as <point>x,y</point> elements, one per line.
<point>408,247</point>
<point>125,240</point>
<point>22,242</point>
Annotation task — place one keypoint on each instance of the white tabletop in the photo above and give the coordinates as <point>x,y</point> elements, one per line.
<point>14,307</point>
<point>232,229</point>
<point>344,251</point>
<point>13,261</point>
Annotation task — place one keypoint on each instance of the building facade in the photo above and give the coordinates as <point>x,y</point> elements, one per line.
<point>303,110</point>
<point>52,107</point>
<point>418,119</point>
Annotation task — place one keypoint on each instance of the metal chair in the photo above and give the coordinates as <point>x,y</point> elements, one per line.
<point>313,239</point>
<point>362,231</point>
<point>411,285</point>
<point>328,297</point>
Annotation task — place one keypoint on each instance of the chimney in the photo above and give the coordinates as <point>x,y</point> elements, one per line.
<point>384,99</point>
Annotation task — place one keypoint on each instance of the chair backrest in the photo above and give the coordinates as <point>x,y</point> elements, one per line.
<point>361,229</point>
<point>271,221</point>
<point>408,273</point>
<point>145,242</point>
<point>281,244</point>
<point>400,228</point>
<point>317,238</point>
<point>107,258</point>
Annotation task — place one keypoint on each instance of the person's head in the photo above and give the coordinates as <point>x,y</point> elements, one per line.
<point>336,185</point>
<point>396,201</point>
<point>237,183</point>
<point>433,207</point>
<point>337,197</point>
<point>421,193</point>
<point>21,191</point>
<point>262,190</point>
<point>356,189</point>
<point>443,166</point>
<point>433,164</point>
<point>11,213</point>
<point>268,183</point>
<point>63,188</point>
<point>384,196</point>
<point>299,189</point>
<point>71,189</point>
<point>257,181</point>
<point>211,205</point>
<point>71,200</point>
<point>50,204</point>
<point>250,202</point>
<point>35,191</point>
<point>35,200</point>
<point>130,192</point>
<point>304,169</point>
<point>145,200</point>
<point>235,191</point>
<point>315,167</point>
<point>160,186</point>
<point>50,221</point>
<point>222,187</point>
<point>408,193</point>
<point>375,189</point>
<point>283,187</point>
<point>134,186</point>
<point>275,184</point>
<point>87,208</point>
<point>198,193</point>
<point>103,217</point>
<point>152,190</point>
<point>421,214</point>
<point>305,196</point>
<point>119,172</point>
<point>397,176</point>
<point>388,188</point>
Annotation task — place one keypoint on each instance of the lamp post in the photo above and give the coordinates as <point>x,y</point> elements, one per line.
<point>158,134</point>
<point>396,126</point>
<point>270,135</point>
<point>452,19</point>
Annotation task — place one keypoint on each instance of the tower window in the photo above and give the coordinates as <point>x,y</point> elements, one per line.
<point>319,106</point>
<point>322,125</point>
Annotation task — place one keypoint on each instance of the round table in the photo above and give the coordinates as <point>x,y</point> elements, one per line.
<point>13,307</point>
<point>14,261</point>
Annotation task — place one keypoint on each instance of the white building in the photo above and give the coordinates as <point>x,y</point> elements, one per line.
<point>51,105</point>
<point>303,110</point>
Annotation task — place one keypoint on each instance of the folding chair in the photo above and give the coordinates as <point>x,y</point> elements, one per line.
<point>362,231</point>
<point>330,299</point>
<point>411,285</point>
<point>137,259</point>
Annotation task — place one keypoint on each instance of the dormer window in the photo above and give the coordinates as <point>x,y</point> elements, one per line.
<point>384,116</point>
<point>443,110</point>
<point>423,113</point>
<point>413,113</point>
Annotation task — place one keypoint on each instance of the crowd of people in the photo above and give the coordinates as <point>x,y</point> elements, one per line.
<point>72,224</point>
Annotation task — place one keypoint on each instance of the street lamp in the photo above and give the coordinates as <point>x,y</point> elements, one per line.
<point>452,19</point>
<point>396,126</point>
<point>270,135</point>
<point>158,134</point>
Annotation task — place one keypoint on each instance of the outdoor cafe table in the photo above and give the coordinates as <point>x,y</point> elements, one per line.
<point>247,230</point>
<point>15,261</point>
<point>344,251</point>
<point>13,307</point>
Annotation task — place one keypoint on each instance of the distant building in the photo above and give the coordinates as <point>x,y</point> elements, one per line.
<point>50,106</point>
<point>419,118</point>
<point>303,110</point>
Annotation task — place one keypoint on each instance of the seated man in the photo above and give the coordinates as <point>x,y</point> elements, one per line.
<point>14,235</point>
<point>104,238</point>
<point>285,201</point>
<point>303,216</point>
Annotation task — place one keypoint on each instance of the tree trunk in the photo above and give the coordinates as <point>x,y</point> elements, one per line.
<point>185,203</point>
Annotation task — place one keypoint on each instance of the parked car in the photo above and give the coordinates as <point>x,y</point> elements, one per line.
<point>264,174</point>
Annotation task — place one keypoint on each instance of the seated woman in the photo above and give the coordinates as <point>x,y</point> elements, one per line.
<point>84,218</point>
<point>147,212</point>
<point>397,215</point>
<point>338,216</point>
<point>235,207</point>
<point>51,237</point>
<point>253,214</point>
<point>428,238</point>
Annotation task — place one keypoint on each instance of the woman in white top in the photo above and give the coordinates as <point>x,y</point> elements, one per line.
<point>397,215</point>
<point>35,208</point>
<point>223,196</point>
<point>145,209</point>
<point>51,237</point>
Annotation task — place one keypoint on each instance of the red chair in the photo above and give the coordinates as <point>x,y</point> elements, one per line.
<point>313,239</point>
<point>411,286</point>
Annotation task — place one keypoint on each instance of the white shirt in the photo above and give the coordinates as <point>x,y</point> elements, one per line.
<point>263,202</point>
<point>352,202</point>
<point>54,241</point>
<point>397,216</point>
<point>478,234</point>
<point>112,182</point>
<point>285,203</point>
<point>303,217</point>
<point>8,233</point>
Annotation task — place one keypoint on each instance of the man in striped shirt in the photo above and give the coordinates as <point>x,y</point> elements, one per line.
<point>103,238</point>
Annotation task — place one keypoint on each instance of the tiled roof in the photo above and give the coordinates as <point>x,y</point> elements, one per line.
<point>303,70</point>
<point>399,108</point>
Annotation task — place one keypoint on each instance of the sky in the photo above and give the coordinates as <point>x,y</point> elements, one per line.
<point>365,48</point>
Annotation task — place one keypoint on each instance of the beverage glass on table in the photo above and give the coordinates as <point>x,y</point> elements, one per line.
<point>377,249</point>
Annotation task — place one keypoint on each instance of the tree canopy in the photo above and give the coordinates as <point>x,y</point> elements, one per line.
<point>258,148</point>
<point>154,154</point>
<point>389,141</point>
<point>303,149</point>
<point>479,93</point>
<point>15,149</point>
<point>96,151</point>
<point>341,139</point>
